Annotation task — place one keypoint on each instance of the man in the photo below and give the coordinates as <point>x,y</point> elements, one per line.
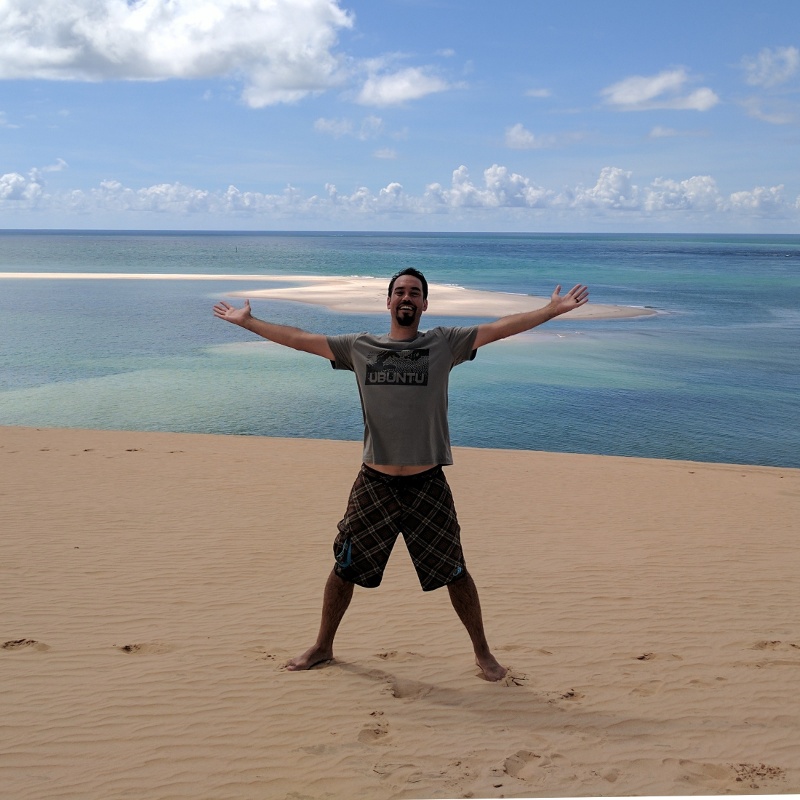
<point>401,488</point>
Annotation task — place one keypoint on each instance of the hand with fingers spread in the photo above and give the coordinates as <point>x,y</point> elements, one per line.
<point>577,296</point>
<point>296,338</point>
<point>238,316</point>
<point>559,304</point>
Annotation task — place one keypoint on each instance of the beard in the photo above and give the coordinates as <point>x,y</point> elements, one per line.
<point>405,317</point>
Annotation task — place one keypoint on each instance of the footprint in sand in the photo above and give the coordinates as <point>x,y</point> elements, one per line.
<point>753,775</point>
<point>397,655</point>
<point>401,688</point>
<point>512,678</point>
<point>527,765</point>
<point>521,762</point>
<point>654,656</point>
<point>374,733</point>
<point>25,644</point>
<point>726,778</point>
<point>144,648</point>
<point>260,654</point>
<point>570,695</point>
<point>775,644</point>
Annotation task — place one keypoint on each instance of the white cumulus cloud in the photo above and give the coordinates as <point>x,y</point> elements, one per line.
<point>396,88</point>
<point>500,195</point>
<point>762,199</point>
<point>613,190</point>
<point>17,190</point>
<point>500,189</point>
<point>281,49</point>
<point>667,90</point>
<point>699,193</point>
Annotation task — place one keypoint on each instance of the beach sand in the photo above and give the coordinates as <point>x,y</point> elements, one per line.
<point>152,585</point>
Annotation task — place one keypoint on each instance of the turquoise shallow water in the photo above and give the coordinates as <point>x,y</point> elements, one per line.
<point>713,377</point>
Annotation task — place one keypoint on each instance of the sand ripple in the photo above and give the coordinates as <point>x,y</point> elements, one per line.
<point>153,585</point>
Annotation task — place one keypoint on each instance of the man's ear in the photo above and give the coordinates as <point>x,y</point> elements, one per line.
<point>388,301</point>
<point>425,304</point>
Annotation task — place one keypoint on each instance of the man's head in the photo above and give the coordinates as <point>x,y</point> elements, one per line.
<point>415,273</point>
<point>407,297</point>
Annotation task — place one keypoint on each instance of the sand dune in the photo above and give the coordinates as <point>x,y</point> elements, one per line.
<point>152,585</point>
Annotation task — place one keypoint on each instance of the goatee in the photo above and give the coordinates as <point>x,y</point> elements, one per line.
<point>406,315</point>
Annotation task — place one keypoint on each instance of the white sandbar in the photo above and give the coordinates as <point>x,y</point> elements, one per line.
<point>368,296</point>
<point>362,295</point>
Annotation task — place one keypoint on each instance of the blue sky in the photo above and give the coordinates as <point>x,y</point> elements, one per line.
<point>448,115</point>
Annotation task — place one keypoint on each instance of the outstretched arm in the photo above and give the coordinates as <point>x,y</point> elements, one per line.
<point>295,338</point>
<point>517,323</point>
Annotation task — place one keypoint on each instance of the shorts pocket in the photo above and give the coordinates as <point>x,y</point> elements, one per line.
<point>343,551</point>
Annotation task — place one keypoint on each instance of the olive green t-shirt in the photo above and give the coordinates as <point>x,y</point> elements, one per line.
<point>403,390</point>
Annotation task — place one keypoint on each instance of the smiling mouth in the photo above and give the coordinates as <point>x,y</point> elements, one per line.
<point>406,314</point>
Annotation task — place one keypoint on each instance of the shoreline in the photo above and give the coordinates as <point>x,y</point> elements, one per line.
<point>363,295</point>
<point>13,431</point>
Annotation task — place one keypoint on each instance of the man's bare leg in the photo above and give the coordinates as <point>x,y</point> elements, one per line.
<point>464,597</point>
<point>335,600</point>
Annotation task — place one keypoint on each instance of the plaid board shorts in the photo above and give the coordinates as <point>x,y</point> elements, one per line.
<point>381,507</point>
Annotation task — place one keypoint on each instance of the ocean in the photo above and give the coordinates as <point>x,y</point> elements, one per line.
<point>714,376</point>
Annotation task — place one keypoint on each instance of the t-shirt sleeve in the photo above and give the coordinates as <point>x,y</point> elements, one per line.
<point>342,348</point>
<point>462,343</point>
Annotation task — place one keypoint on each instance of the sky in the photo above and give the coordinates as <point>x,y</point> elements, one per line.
<point>401,115</point>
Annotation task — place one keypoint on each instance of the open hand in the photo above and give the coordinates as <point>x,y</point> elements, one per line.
<point>577,296</point>
<point>230,313</point>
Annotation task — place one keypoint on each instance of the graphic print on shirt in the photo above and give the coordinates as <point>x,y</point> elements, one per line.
<point>397,368</point>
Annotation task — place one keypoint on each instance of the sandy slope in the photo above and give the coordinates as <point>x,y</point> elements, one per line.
<point>152,585</point>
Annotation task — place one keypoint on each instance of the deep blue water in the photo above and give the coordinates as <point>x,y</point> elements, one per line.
<point>713,377</point>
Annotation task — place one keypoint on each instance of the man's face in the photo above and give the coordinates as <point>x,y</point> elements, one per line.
<point>406,302</point>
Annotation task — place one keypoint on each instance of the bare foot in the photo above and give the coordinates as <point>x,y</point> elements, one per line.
<point>316,655</point>
<point>491,668</point>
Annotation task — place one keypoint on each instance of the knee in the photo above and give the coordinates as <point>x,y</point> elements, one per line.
<point>339,584</point>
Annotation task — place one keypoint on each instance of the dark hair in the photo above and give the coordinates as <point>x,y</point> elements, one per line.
<point>415,273</point>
